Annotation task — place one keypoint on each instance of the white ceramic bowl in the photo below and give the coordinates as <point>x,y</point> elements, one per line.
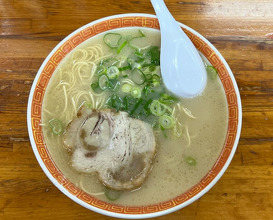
<point>60,181</point>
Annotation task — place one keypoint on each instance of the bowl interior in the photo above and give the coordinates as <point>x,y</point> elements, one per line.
<point>56,176</point>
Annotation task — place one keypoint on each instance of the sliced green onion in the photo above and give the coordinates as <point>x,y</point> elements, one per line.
<point>167,99</point>
<point>133,64</point>
<point>159,89</point>
<point>139,54</point>
<point>88,105</point>
<point>148,88</point>
<point>138,76</point>
<point>110,62</point>
<point>101,70</point>
<point>122,46</point>
<point>103,82</point>
<point>126,88</point>
<point>156,80</point>
<point>115,102</point>
<point>191,161</point>
<point>114,84</point>
<point>138,43</point>
<point>157,108</point>
<point>112,72</point>
<point>164,131</point>
<point>141,33</point>
<point>152,68</point>
<point>96,88</point>
<point>125,68</point>
<point>129,103</point>
<point>112,39</point>
<point>212,72</point>
<point>156,77</point>
<point>166,121</point>
<point>146,106</point>
<point>111,194</point>
<point>136,106</point>
<point>136,92</point>
<point>155,55</point>
<point>140,60</point>
<point>56,126</point>
<point>148,76</point>
<point>137,65</point>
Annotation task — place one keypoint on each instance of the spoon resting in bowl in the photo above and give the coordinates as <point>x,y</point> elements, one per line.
<point>182,68</point>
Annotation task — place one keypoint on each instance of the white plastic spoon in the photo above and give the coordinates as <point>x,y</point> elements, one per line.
<point>182,68</point>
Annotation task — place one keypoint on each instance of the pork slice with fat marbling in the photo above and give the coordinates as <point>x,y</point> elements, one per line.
<point>119,148</point>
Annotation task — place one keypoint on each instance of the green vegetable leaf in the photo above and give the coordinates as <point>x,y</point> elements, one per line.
<point>168,99</point>
<point>111,194</point>
<point>155,55</point>
<point>112,39</point>
<point>115,102</point>
<point>56,126</point>
<point>212,72</point>
<point>191,161</point>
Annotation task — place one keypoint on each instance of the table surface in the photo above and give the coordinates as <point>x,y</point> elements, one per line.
<point>242,30</point>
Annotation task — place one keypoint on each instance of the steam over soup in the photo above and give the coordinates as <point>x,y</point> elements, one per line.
<point>114,130</point>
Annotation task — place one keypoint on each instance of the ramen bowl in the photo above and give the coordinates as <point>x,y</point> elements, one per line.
<point>77,194</point>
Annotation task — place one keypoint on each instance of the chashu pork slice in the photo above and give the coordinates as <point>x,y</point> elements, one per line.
<point>119,148</point>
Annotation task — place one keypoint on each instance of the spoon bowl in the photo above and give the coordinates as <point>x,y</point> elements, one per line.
<point>182,68</point>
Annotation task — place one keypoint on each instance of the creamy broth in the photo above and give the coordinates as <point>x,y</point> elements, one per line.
<point>170,175</point>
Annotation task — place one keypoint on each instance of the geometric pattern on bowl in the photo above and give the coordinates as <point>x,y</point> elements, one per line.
<point>100,27</point>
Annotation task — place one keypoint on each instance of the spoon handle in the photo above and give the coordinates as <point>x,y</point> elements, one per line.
<point>164,16</point>
<point>160,7</point>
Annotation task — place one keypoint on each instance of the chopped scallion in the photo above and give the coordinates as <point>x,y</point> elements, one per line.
<point>133,63</point>
<point>112,39</point>
<point>126,88</point>
<point>109,62</point>
<point>136,106</point>
<point>136,92</point>
<point>138,76</point>
<point>152,68</point>
<point>55,126</point>
<point>101,70</point>
<point>115,102</point>
<point>168,99</point>
<point>112,72</point>
<point>141,33</point>
<point>191,161</point>
<point>114,84</point>
<point>96,88</point>
<point>139,54</point>
<point>166,121</point>
<point>212,72</point>
<point>157,108</point>
<point>111,194</point>
<point>155,55</point>
<point>88,105</point>
<point>156,80</point>
<point>125,68</point>
<point>122,46</point>
<point>148,76</point>
<point>103,82</point>
<point>138,43</point>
